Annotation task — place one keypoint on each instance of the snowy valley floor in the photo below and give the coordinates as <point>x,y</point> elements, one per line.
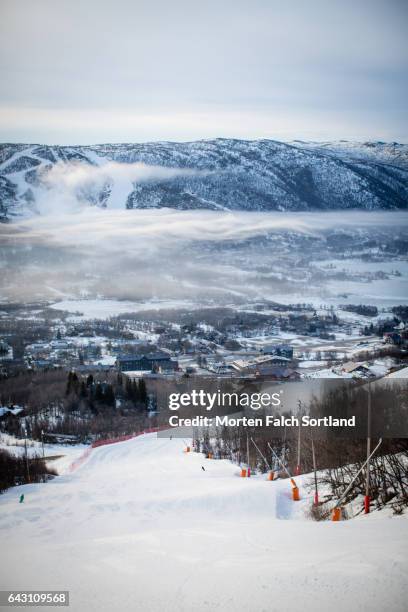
<point>140,526</point>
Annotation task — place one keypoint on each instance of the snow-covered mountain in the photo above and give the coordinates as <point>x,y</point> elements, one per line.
<point>222,173</point>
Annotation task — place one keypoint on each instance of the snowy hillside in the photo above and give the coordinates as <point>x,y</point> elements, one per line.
<point>392,153</point>
<point>141,526</point>
<point>216,174</point>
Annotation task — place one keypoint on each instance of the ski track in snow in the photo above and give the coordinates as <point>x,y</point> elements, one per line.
<point>140,526</point>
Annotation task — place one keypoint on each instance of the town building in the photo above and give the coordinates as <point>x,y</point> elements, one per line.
<point>280,350</point>
<point>151,362</point>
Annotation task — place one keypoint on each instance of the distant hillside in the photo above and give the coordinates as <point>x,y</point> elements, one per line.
<point>232,174</point>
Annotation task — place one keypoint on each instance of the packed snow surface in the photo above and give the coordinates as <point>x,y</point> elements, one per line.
<point>140,526</point>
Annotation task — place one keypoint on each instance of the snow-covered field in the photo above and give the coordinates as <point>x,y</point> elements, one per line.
<point>57,456</point>
<point>140,526</point>
<point>105,308</point>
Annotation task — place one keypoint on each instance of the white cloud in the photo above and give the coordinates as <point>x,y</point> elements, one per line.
<point>170,254</point>
<point>67,183</point>
<point>140,231</point>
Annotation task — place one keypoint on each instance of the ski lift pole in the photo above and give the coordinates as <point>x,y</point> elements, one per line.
<point>249,469</point>
<point>263,457</point>
<point>298,444</point>
<point>26,455</point>
<point>316,495</point>
<point>367,486</point>
<point>284,443</point>
<point>239,448</point>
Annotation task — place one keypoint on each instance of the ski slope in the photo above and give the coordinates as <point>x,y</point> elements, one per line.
<point>140,526</point>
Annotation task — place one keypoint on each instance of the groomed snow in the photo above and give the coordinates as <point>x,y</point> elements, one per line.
<point>140,526</point>
<point>403,373</point>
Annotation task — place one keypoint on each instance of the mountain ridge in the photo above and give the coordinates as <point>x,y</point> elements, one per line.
<point>223,173</point>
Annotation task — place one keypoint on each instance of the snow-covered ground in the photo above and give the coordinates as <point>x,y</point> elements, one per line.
<point>105,308</point>
<point>58,456</point>
<point>140,526</point>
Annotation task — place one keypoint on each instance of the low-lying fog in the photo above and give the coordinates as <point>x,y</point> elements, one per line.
<point>206,256</point>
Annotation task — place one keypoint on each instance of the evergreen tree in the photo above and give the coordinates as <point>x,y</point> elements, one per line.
<point>83,391</point>
<point>135,392</point>
<point>75,382</point>
<point>89,380</point>
<point>142,391</point>
<point>98,393</point>
<point>128,388</point>
<point>69,384</point>
<point>72,383</point>
<point>109,396</point>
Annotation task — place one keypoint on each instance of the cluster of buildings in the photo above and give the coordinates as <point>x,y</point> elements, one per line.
<point>218,346</point>
<point>59,353</point>
<point>275,361</point>
<point>397,337</point>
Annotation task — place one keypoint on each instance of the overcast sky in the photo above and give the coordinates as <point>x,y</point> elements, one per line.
<point>89,71</point>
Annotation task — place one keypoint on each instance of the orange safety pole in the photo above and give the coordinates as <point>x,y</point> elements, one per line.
<point>295,490</point>
<point>336,514</point>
